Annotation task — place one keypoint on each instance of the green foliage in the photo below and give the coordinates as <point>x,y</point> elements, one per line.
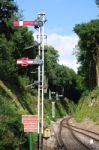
<point>60,110</point>
<point>10,124</point>
<point>81,85</point>
<point>70,106</point>
<point>7,63</point>
<point>23,81</point>
<point>30,102</point>
<point>12,43</point>
<point>88,106</point>
<point>22,38</point>
<point>8,11</point>
<point>60,78</point>
<point>87,52</point>
<point>51,58</point>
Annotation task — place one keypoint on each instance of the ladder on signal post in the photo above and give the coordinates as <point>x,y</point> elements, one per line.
<point>38,24</point>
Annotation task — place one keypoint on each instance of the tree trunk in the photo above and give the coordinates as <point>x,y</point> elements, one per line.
<point>92,74</point>
<point>97,73</point>
<point>97,62</point>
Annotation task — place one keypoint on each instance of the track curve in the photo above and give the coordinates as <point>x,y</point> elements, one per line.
<point>72,131</point>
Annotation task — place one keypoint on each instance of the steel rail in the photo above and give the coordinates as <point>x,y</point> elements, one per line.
<point>82,133</point>
<point>58,138</point>
<point>71,131</point>
<point>84,130</point>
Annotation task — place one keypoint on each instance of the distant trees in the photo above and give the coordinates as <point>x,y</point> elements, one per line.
<point>60,78</point>
<point>51,60</point>
<point>88,52</point>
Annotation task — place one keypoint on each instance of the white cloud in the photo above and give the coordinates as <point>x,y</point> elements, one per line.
<point>70,63</point>
<point>65,46</point>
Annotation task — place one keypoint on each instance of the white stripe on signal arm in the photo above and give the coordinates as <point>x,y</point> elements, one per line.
<point>20,23</point>
<point>30,61</point>
<point>19,61</point>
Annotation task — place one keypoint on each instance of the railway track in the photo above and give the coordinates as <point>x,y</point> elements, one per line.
<point>74,133</point>
<point>90,134</point>
<point>70,137</point>
<point>59,142</point>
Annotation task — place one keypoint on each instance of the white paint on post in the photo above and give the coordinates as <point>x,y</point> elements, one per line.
<point>42,77</point>
<point>53,109</point>
<point>98,81</point>
<point>42,17</point>
<point>50,95</point>
<point>56,95</point>
<point>39,40</point>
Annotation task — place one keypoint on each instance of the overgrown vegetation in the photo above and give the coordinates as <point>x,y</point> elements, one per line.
<point>16,99</point>
<point>88,52</point>
<point>11,134</point>
<point>88,106</point>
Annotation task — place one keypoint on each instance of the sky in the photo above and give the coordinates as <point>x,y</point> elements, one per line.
<point>62,16</point>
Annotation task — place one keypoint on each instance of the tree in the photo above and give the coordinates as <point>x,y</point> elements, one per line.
<point>8,12</point>
<point>97,3</point>
<point>51,60</point>
<point>12,44</point>
<point>22,39</point>
<point>8,9</point>
<point>88,51</point>
<point>12,41</point>
<point>60,78</point>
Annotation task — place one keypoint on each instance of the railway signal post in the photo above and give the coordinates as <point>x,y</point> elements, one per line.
<point>41,38</point>
<point>38,24</point>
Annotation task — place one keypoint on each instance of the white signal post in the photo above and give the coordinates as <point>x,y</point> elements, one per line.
<point>41,38</point>
<point>26,62</point>
<point>39,80</point>
<point>53,109</point>
<point>43,19</point>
